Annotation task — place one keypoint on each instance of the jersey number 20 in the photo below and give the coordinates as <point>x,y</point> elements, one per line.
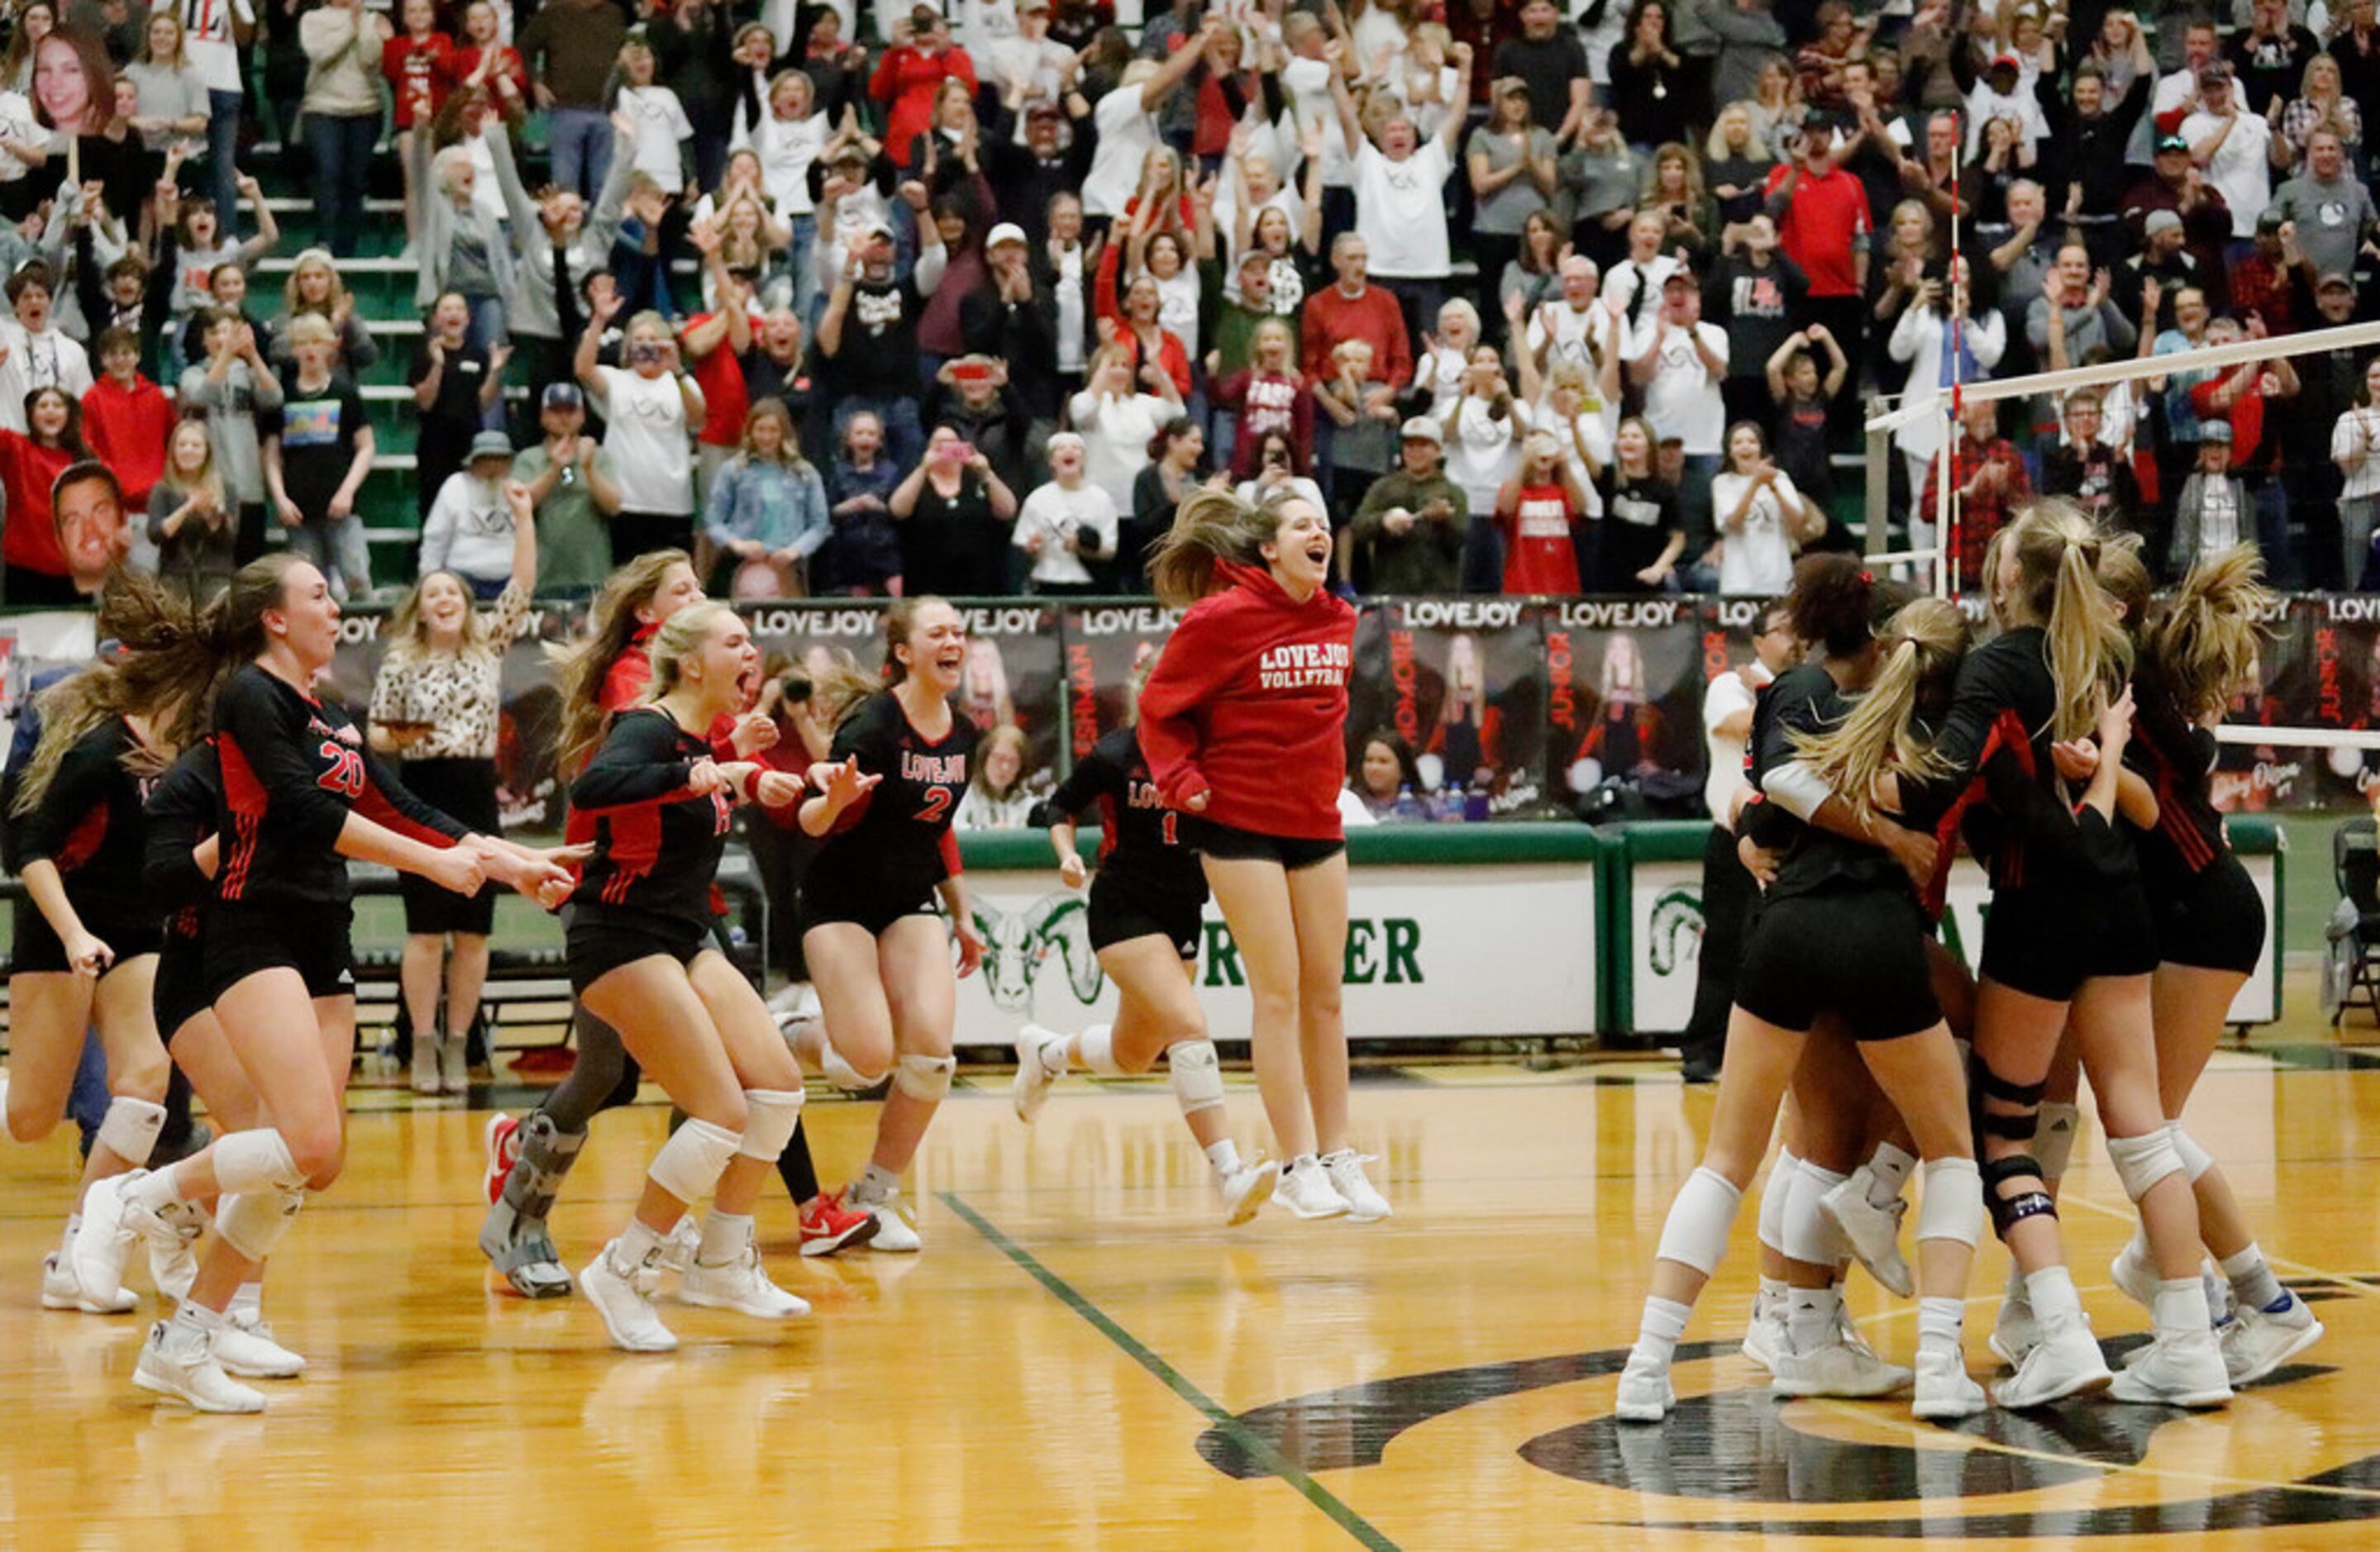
<point>346,772</point>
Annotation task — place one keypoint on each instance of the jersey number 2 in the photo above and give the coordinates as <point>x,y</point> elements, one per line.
<point>346,772</point>
<point>938,803</point>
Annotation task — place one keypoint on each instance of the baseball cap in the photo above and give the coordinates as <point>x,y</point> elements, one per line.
<point>2008,62</point>
<point>1421,428</point>
<point>2334,281</point>
<point>491,444</point>
<point>877,227</point>
<point>1681,277</point>
<point>2215,431</point>
<point>2271,220</point>
<point>563,396</point>
<point>1006,232</point>
<point>2161,221</point>
<point>2171,142</point>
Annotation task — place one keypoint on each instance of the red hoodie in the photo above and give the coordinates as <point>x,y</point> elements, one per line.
<point>128,429</point>
<point>1249,705</point>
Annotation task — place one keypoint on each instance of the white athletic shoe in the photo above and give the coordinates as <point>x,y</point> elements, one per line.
<point>1035,1078</point>
<point>174,1267</point>
<point>626,1303</point>
<point>2015,1332</point>
<point>1840,1368</point>
<point>2184,1369</point>
<point>1873,1232</point>
<point>2063,1360</point>
<point>1306,1190</point>
<point>894,1230</point>
<point>1365,1204</point>
<point>741,1284</point>
<point>2255,1341</point>
<point>62,1291</point>
<point>179,1360</point>
<point>244,1346</point>
<point>1645,1395</point>
<point>1247,1189</point>
<point>1945,1391</point>
<point>1765,1336</point>
<point>678,1246</point>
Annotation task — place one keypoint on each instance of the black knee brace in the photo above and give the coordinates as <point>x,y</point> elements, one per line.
<point>1989,1085</point>
<point>2008,1211</point>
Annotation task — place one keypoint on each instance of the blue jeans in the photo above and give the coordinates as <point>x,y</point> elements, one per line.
<point>904,438</point>
<point>342,145</point>
<point>802,256</point>
<point>582,141</point>
<point>336,545</point>
<point>222,149</point>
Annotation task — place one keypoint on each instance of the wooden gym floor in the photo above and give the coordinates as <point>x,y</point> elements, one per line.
<point>1083,1357</point>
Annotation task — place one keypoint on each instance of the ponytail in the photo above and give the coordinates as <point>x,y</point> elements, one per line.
<point>2057,588</point>
<point>2206,640</point>
<point>612,626</point>
<point>1922,644</point>
<point>1211,527</point>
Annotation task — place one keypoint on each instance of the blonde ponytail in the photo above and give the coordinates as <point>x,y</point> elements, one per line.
<point>2057,589</point>
<point>1923,642</point>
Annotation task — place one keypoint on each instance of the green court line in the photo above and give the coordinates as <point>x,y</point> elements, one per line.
<point>1174,1380</point>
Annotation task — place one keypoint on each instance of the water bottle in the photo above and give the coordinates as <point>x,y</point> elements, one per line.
<point>1475,803</point>
<point>1408,807</point>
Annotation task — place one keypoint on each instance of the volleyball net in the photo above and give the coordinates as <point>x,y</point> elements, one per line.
<point>1940,560</point>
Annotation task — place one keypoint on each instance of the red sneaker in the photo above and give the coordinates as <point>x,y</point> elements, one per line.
<point>829,1226</point>
<point>504,1151</point>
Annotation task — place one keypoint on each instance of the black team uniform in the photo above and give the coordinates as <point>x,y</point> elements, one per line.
<point>1149,881</point>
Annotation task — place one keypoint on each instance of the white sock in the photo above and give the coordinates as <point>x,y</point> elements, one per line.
<point>2180,1306</point>
<point>248,1302</point>
<point>875,1186</point>
<point>66,1240</point>
<point>1095,1048</point>
<point>1939,1325</point>
<point>1773,1288</point>
<point>1888,1174</point>
<point>2253,1282</point>
<point>2015,1293</point>
<point>1810,1317</point>
<point>724,1235</point>
<point>1224,1156</point>
<point>1057,1055</point>
<point>1657,1334</point>
<point>635,1241</point>
<point>197,1317</point>
<point>2050,1292</point>
<point>1302,1161</point>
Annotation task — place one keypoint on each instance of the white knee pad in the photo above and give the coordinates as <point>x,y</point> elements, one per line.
<point>770,1117</point>
<point>129,1129</point>
<point>2053,1138</point>
<point>1953,1204</point>
<point>842,1075</point>
<point>1772,1200</point>
<point>1809,1236</point>
<point>251,1160</point>
<point>924,1078</point>
<point>689,1163</point>
<point>1196,1074</point>
<point>1696,1233</point>
<point>253,1221</point>
<point>2195,1161</point>
<point>2142,1162</point>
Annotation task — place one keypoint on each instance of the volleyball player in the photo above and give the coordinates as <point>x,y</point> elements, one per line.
<point>300,794</point>
<point>1841,931</point>
<point>85,954</point>
<point>2069,932</point>
<point>642,961</point>
<point>1244,724</point>
<point>1144,911</point>
<point>604,675</point>
<point>879,956</point>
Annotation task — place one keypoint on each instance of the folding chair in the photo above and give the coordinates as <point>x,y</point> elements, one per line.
<point>2355,867</point>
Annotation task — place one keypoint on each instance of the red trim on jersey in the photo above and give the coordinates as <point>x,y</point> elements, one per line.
<point>952,866</point>
<point>634,833</point>
<point>373,805</point>
<point>1108,818</point>
<point>243,795</point>
<point>82,841</point>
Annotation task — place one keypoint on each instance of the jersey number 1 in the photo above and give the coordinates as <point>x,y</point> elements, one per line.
<point>346,772</point>
<point>1171,839</point>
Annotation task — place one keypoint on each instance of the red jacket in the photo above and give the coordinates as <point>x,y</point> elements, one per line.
<point>1330,317</point>
<point>127,428</point>
<point>1249,705</point>
<point>29,538</point>
<point>906,79</point>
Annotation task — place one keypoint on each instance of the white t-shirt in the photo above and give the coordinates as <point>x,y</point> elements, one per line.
<point>2242,168</point>
<point>983,23</point>
<point>1627,279</point>
<point>49,360</point>
<point>207,40</point>
<point>1725,696</point>
<point>487,194</point>
<point>786,149</point>
<point>2356,434</point>
<point>660,124</point>
<point>17,126</point>
<point>644,433</point>
<point>1052,514</point>
<point>1126,134</point>
<point>1683,400</point>
<point>1307,81</point>
<point>1073,347</point>
<point>1984,105</point>
<point>1440,373</point>
<point>1485,452</point>
<point>1177,305</point>
<point>1116,433</point>
<point>1581,336</point>
<point>1401,211</point>
<point>1758,558</point>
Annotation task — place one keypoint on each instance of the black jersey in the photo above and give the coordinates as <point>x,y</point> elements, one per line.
<point>899,832</point>
<point>2176,757</point>
<point>657,843</point>
<point>181,813</point>
<point>1138,844</point>
<point>294,768</point>
<point>89,825</point>
<point>1806,701</point>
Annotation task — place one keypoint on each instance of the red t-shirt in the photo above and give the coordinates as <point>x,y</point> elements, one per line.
<point>420,70</point>
<point>725,398</point>
<point>1267,404</point>
<point>1539,554</point>
<point>1823,220</point>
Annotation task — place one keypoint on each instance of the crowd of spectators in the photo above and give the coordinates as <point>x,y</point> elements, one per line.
<point>1537,301</point>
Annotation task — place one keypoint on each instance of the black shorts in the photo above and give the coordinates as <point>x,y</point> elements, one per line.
<point>2045,941</point>
<point>1294,853</point>
<point>2212,920</point>
<point>180,994</point>
<point>849,895</point>
<point>466,790</point>
<point>1858,955</point>
<point>37,949</point>
<point>313,940</point>
<point>596,943</point>
<point>1120,914</point>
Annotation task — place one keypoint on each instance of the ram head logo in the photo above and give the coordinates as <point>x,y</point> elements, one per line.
<point>1677,930</point>
<point>1018,946</point>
